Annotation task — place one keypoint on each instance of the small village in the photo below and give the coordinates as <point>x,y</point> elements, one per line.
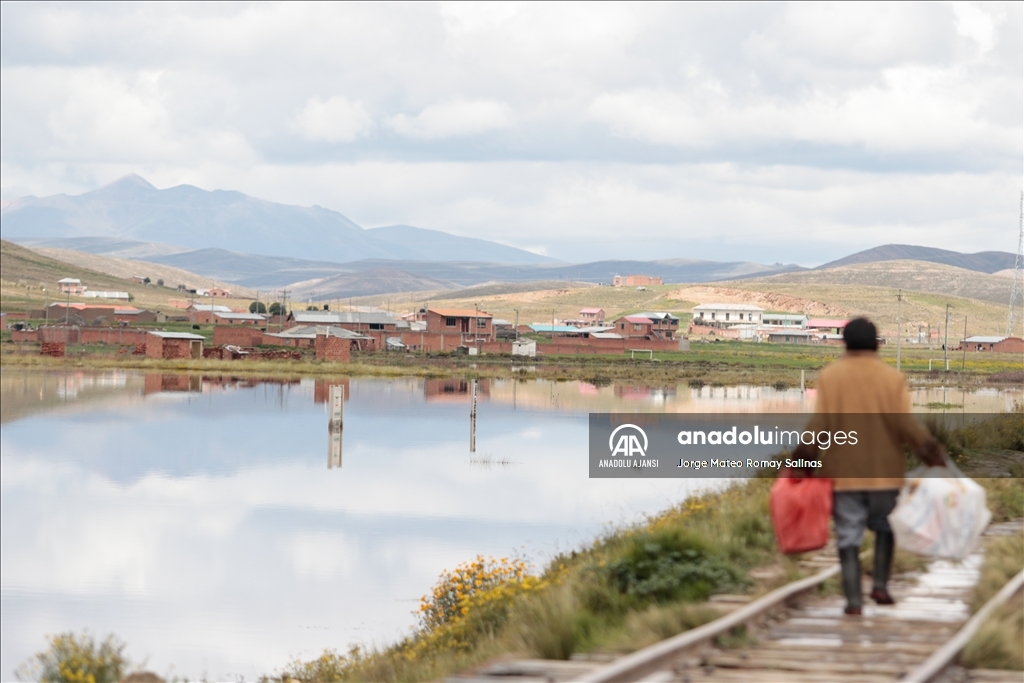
<point>103,319</point>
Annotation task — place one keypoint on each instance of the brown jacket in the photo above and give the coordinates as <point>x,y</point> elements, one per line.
<point>860,393</point>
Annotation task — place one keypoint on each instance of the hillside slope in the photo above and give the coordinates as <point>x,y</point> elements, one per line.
<point>916,276</point>
<point>983,261</point>
<point>126,268</point>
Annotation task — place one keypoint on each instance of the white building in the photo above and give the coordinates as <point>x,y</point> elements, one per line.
<point>123,296</point>
<point>727,315</point>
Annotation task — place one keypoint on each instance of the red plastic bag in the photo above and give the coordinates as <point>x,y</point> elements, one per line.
<point>800,509</point>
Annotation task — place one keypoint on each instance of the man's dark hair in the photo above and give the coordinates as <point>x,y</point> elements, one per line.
<point>860,334</point>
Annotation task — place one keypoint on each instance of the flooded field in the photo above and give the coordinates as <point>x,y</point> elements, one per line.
<point>216,526</point>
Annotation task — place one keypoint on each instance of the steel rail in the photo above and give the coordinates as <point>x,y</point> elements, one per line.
<point>650,658</point>
<point>942,657</point>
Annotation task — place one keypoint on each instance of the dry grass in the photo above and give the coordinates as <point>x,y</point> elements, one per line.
<point>999,643</point>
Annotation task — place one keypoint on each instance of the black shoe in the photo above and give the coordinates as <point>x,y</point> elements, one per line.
<point>853,611</point>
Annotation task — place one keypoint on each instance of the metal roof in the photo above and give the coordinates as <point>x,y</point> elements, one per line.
<point>350,317</point>
<point>459,313</point>
<point>826,322</point>
<point>637,319</point>
<point>727,307</point>
<point>984,340</point>
<point>538,327</point>
<point>240,316</point>
<point>177,335</point>
<point>69,281</point>
<point>606,335</point>
<point>213,308</point>
<point>310,332</point>
<point>656,315</point>
<point>591,310</point>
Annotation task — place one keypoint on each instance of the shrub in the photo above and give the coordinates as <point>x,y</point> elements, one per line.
<point>668,564</point>
<point>75,658</point>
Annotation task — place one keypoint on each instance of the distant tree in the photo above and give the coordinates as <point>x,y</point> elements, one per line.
<point>277,308</point>
<point>145,281</point>
<point>131,297</point>
<point>160,282</point>
<point>257,307</point>
<point>311,307</point>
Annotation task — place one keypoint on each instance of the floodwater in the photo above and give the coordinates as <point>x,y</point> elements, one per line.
<point>209,523</point>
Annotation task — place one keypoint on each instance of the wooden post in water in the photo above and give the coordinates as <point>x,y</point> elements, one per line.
<point>472,420</point>
<point>336,407</point>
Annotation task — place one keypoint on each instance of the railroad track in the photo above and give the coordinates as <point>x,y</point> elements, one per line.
<point>793,635</point>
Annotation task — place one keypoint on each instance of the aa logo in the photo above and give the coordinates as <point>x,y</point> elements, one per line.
<point>628,442</point>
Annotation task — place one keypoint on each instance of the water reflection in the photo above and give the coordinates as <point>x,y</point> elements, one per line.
<point>192,515</point>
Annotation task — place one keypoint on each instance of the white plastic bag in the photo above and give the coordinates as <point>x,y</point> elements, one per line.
<point>941,514</point>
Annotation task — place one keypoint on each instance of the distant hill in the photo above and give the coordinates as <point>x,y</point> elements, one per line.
<point>911,276</point>
<point>983,261</point>
<point>128,268</point>
<point>21,266</point>
<point>131,209</point>
<point>365,283</point>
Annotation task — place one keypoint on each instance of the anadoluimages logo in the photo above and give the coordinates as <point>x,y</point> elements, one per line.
<point>628,443</point>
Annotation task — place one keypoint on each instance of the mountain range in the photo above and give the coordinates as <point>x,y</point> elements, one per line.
<point>229,237</point>
<point>132,209</point>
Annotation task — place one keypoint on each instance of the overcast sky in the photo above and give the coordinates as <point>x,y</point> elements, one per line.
<point>767,132</point>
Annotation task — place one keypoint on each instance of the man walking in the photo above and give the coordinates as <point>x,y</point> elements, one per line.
<point>861,394</point>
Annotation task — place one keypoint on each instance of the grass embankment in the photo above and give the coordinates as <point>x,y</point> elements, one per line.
<point>638,585</point>
<point>628,589</point>
<point>722,363</point>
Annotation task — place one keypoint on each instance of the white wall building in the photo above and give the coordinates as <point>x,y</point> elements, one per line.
<point>727,315</point>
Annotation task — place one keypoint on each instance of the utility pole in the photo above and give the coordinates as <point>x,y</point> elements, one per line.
<point>517,323</point>
<point>67,313</point>
<point>899,327</point>
<point>963,346</point>
<point>283,310</point>
<point>945,343</point>
<point>1018,264</point>
<point>46,310</point>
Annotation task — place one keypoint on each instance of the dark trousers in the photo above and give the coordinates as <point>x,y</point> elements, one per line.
<point>854,511</point>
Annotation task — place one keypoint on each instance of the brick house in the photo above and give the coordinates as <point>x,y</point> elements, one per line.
<point>173,345</point>
<point>635,281</point>
<point>469,325</point>
<point>993,344</point>
<point>649,325</point>
<point>234,318</point>
<point>204,314</point>
<point>592,315</point>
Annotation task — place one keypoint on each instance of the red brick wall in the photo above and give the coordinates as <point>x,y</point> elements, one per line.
<point>333,349</point>
<point>24,335</point>
<point>54,333</point>
<point>154,347</point>
<point>111,335</point>
<point>55,349</point>
<point>1010,345</point>
<point>239,336</point>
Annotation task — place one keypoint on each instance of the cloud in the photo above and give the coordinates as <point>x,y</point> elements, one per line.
<point>513,123</point>
<point>336,120</point>
<point>453,119</point>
